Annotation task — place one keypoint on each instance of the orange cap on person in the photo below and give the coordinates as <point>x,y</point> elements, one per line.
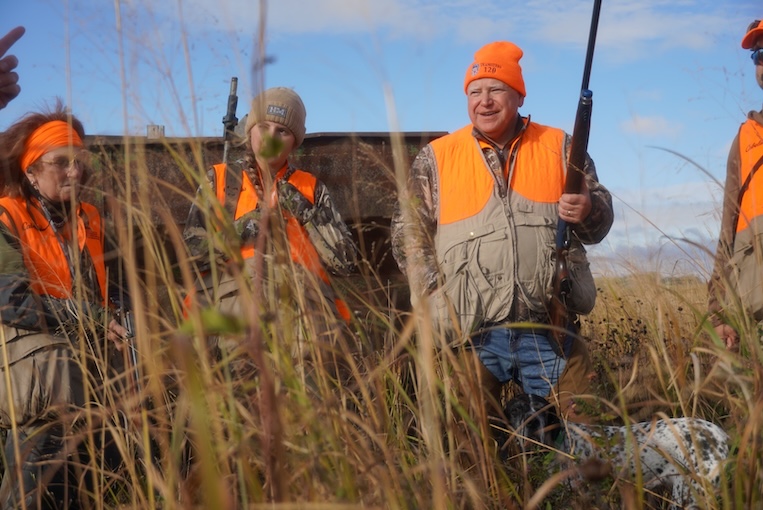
<point>753,35</point>
<point>499,60</point>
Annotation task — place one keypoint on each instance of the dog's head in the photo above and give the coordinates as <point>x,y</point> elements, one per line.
<point>532,417</point>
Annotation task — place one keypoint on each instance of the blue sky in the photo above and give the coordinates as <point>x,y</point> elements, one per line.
<point>667,74</point>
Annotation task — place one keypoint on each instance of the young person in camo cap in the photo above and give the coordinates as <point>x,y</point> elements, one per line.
<point>738,271</point>
<point>479,241</point>
<point>304,223</point>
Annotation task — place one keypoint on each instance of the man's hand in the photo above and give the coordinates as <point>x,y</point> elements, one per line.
<point>729,336</point>
<point>247,227</point>
<point>117,334</point>
<point>9,87</point>
<point>575,207</point>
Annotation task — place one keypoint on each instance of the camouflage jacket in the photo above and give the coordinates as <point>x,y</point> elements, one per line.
<point>327,231</point>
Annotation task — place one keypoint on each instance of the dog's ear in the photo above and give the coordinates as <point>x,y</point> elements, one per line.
<point>517,410</point>
<point>522,417</point>
<point>537,402</point>
<point>533,417</point>
<point>549,425</point>
<point>514,414</point>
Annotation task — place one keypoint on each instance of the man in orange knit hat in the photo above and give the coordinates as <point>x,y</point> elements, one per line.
<point>738,267</point>
<point>478,242</point>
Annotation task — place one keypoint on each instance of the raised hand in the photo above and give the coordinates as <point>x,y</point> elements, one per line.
<point>9,87</point>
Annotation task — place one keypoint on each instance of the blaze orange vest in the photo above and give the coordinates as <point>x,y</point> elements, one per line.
<point>466,183</point>
<point>494,243</point>
<point>301,249</point>
<point>750,151</point>
<point>42,252</point>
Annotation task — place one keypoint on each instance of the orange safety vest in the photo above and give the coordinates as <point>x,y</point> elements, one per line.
<point>466,183</point>
<point>42,252</point>
<point>301,249</point>
<point>492,249</point>
<point>750,152</point>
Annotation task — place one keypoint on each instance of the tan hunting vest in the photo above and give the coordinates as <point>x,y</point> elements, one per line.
<point>746,263</point>
<point>493,250</point>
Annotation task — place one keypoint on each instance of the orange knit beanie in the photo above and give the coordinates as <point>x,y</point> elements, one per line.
<point>499,60</point>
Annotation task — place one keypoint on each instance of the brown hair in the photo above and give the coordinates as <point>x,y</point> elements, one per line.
<point>13,182</point>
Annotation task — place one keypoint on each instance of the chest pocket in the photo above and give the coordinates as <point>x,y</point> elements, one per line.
<point>536,253</point>
<point>746,266</point>
<point>477,283</point>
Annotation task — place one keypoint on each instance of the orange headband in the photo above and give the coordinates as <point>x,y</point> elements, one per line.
<point>49,136</point>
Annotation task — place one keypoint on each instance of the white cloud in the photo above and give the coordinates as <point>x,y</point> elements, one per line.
<point>668,257</point>
<point>671,229</point>
<point>655,125</point>
<point>626,28</point>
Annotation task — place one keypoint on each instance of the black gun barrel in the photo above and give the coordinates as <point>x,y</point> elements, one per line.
<point>558,313</point>
<point>230,121</point>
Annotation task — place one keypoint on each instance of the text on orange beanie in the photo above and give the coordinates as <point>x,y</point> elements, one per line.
<point>499,60</point>
<point>49,136</point>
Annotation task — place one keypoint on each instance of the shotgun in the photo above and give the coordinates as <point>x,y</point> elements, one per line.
<point>230,121</point>
<point>562,285</point>
<point>123,315</point>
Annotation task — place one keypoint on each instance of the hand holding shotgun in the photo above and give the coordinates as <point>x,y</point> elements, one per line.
<point>123,316</point>
<point>575,203</point>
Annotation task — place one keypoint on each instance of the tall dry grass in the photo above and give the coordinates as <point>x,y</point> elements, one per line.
<point>397,430</point>
<point>395,427</point>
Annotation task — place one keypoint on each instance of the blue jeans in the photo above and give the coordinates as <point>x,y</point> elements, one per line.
<point>525,356</point>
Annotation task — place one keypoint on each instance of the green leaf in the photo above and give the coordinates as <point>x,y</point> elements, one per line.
<point>213,322</point>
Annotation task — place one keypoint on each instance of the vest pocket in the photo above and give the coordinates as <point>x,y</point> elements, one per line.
<point>492,277</point>
<point>458,301</point>
<point>20,343</point>
<point>583,294</point>
<point>477,286</point>
<point>536,253</point>
<point>746,275</point>
<point>457,304</point>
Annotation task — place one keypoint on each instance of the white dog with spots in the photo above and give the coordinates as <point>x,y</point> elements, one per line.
<point>683,454</point>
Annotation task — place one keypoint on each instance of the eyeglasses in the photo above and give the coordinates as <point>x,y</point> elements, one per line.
<point>81,159</point>
<point>757,57</point>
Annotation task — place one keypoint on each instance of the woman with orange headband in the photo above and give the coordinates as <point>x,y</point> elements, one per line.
<point>53,285</point>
